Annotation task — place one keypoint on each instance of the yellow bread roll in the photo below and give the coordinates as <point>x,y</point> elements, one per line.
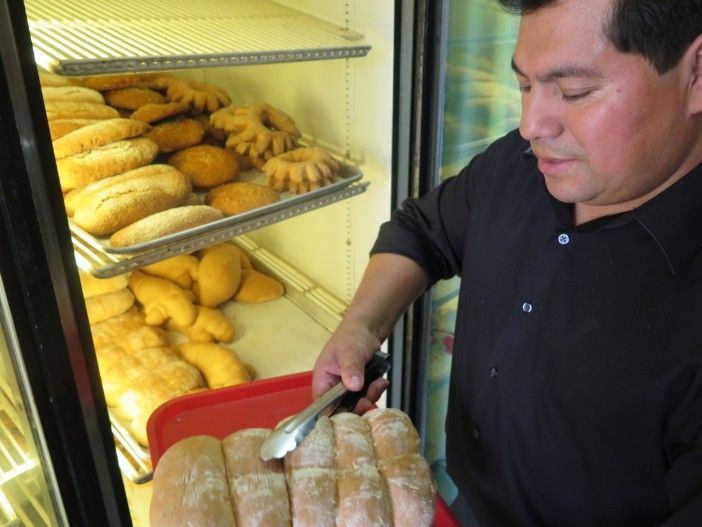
<point>60,127</point>
<point>181,269</point>
<point>219,275</point>
<point>257,287</point>
<point>162,300</point>
<point>219,366</point>
<point>107,305</point>
<point>210,325</point>
<point>93,286</point>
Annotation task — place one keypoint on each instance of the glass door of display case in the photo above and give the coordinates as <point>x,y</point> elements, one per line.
<point>28,491</point>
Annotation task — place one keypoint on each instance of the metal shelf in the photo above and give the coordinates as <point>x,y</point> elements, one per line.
<point>74,37</point>
<point>93,257</point>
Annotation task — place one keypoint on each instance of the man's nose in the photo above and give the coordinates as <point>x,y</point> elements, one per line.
<point>540,116</point>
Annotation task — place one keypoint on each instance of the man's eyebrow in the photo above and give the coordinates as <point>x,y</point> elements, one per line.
<point>567,70</point>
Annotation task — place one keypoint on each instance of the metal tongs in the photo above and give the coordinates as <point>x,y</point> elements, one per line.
<point>289,434</point>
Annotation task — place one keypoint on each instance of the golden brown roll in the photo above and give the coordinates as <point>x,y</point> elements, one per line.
<point>104,161</point>
<point>60,127</point>
<point>71,93</point>
<point>108,205</point>
<point>78,110</point>
<point>98,134</point>
<point>240,196</point>
<point>171,136</point>
<point>163,223</point>
<point>154,112</point>
<point>207,166</point>
<point>133,98</point>
<point>115,81</point>
<point>51,79</point>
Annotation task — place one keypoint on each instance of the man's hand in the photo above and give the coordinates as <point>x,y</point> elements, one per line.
<point>344,358</point>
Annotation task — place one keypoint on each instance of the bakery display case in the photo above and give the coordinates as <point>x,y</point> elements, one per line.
<point>329,66</point>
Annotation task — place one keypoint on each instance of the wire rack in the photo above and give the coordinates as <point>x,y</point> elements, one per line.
<point>74,37</point>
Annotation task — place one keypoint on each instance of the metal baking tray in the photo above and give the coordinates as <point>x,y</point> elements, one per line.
<point>74,37</point>
<point>95,255</point>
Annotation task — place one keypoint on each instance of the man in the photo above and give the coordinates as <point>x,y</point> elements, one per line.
<point>576,384</point>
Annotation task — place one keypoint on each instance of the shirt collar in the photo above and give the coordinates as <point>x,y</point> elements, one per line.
<point>672,218</point>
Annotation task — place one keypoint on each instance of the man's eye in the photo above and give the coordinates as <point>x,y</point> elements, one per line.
<point>524,89</point>
<point>571,97</point>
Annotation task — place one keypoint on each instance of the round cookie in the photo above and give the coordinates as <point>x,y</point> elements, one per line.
<point>238,197</point>
<point>207,166</point>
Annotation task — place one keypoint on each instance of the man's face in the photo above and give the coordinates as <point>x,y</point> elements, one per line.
<point>608,130</point>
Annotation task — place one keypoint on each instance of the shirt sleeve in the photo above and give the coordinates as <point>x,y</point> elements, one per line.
<point>683,445</point>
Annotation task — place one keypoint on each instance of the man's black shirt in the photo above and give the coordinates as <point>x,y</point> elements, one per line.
<point>576,383</point>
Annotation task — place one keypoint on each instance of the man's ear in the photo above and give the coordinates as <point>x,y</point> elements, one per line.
<point>696,71</point>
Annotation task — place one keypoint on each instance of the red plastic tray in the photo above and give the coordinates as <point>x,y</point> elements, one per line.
<point>255,404</point>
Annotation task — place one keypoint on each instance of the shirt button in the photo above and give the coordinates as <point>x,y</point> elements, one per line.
<point>527,307</point>
<point>475,433</point>
<point>493,372</point>
<point>563,239</point>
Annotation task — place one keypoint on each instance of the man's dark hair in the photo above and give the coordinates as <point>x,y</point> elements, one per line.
<point>659,30</point>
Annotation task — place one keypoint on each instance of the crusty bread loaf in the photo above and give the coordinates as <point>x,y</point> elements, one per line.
<point>60,127</point>
<point>78,110</point>
<point>107,305</point>
<point>105,161</point>
<point>408,479</point>
<point>163,223</point>
<point>354,444</point>
<point>98,134</point>
<point>257,487</point>
<point>397,491</point>
<point>201,498</point>
<point>71,93</point>
<point>108,205</point>
<point>393,433</point>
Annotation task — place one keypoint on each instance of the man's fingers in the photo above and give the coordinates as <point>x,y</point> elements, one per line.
<point>352,367</point>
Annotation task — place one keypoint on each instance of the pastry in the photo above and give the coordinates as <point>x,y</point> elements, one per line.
<point>207,166</point>
<point>181,269</point>
<point>93,286</point>
<point>241,196</point>
<point>154,112</point>
<point>107,305</point>
<point>162,300</point>
<point>115,81</point>
<point>219,275</point>
<point>219,366</point>
<point>210,326</point>
<point>257,287</point>
<point>199,96</point>
<point>301,170</point>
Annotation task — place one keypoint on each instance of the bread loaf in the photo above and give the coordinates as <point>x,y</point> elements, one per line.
<point>395,491</point>
<point>163,223</point>
<point>105,161</point>
<point>98,134</point>
<point>71,93</point>
<point>257,488</point>
<point>78,110</point>
<point>60,127</point>
<point>108,205</point>
<point>201,498</point>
